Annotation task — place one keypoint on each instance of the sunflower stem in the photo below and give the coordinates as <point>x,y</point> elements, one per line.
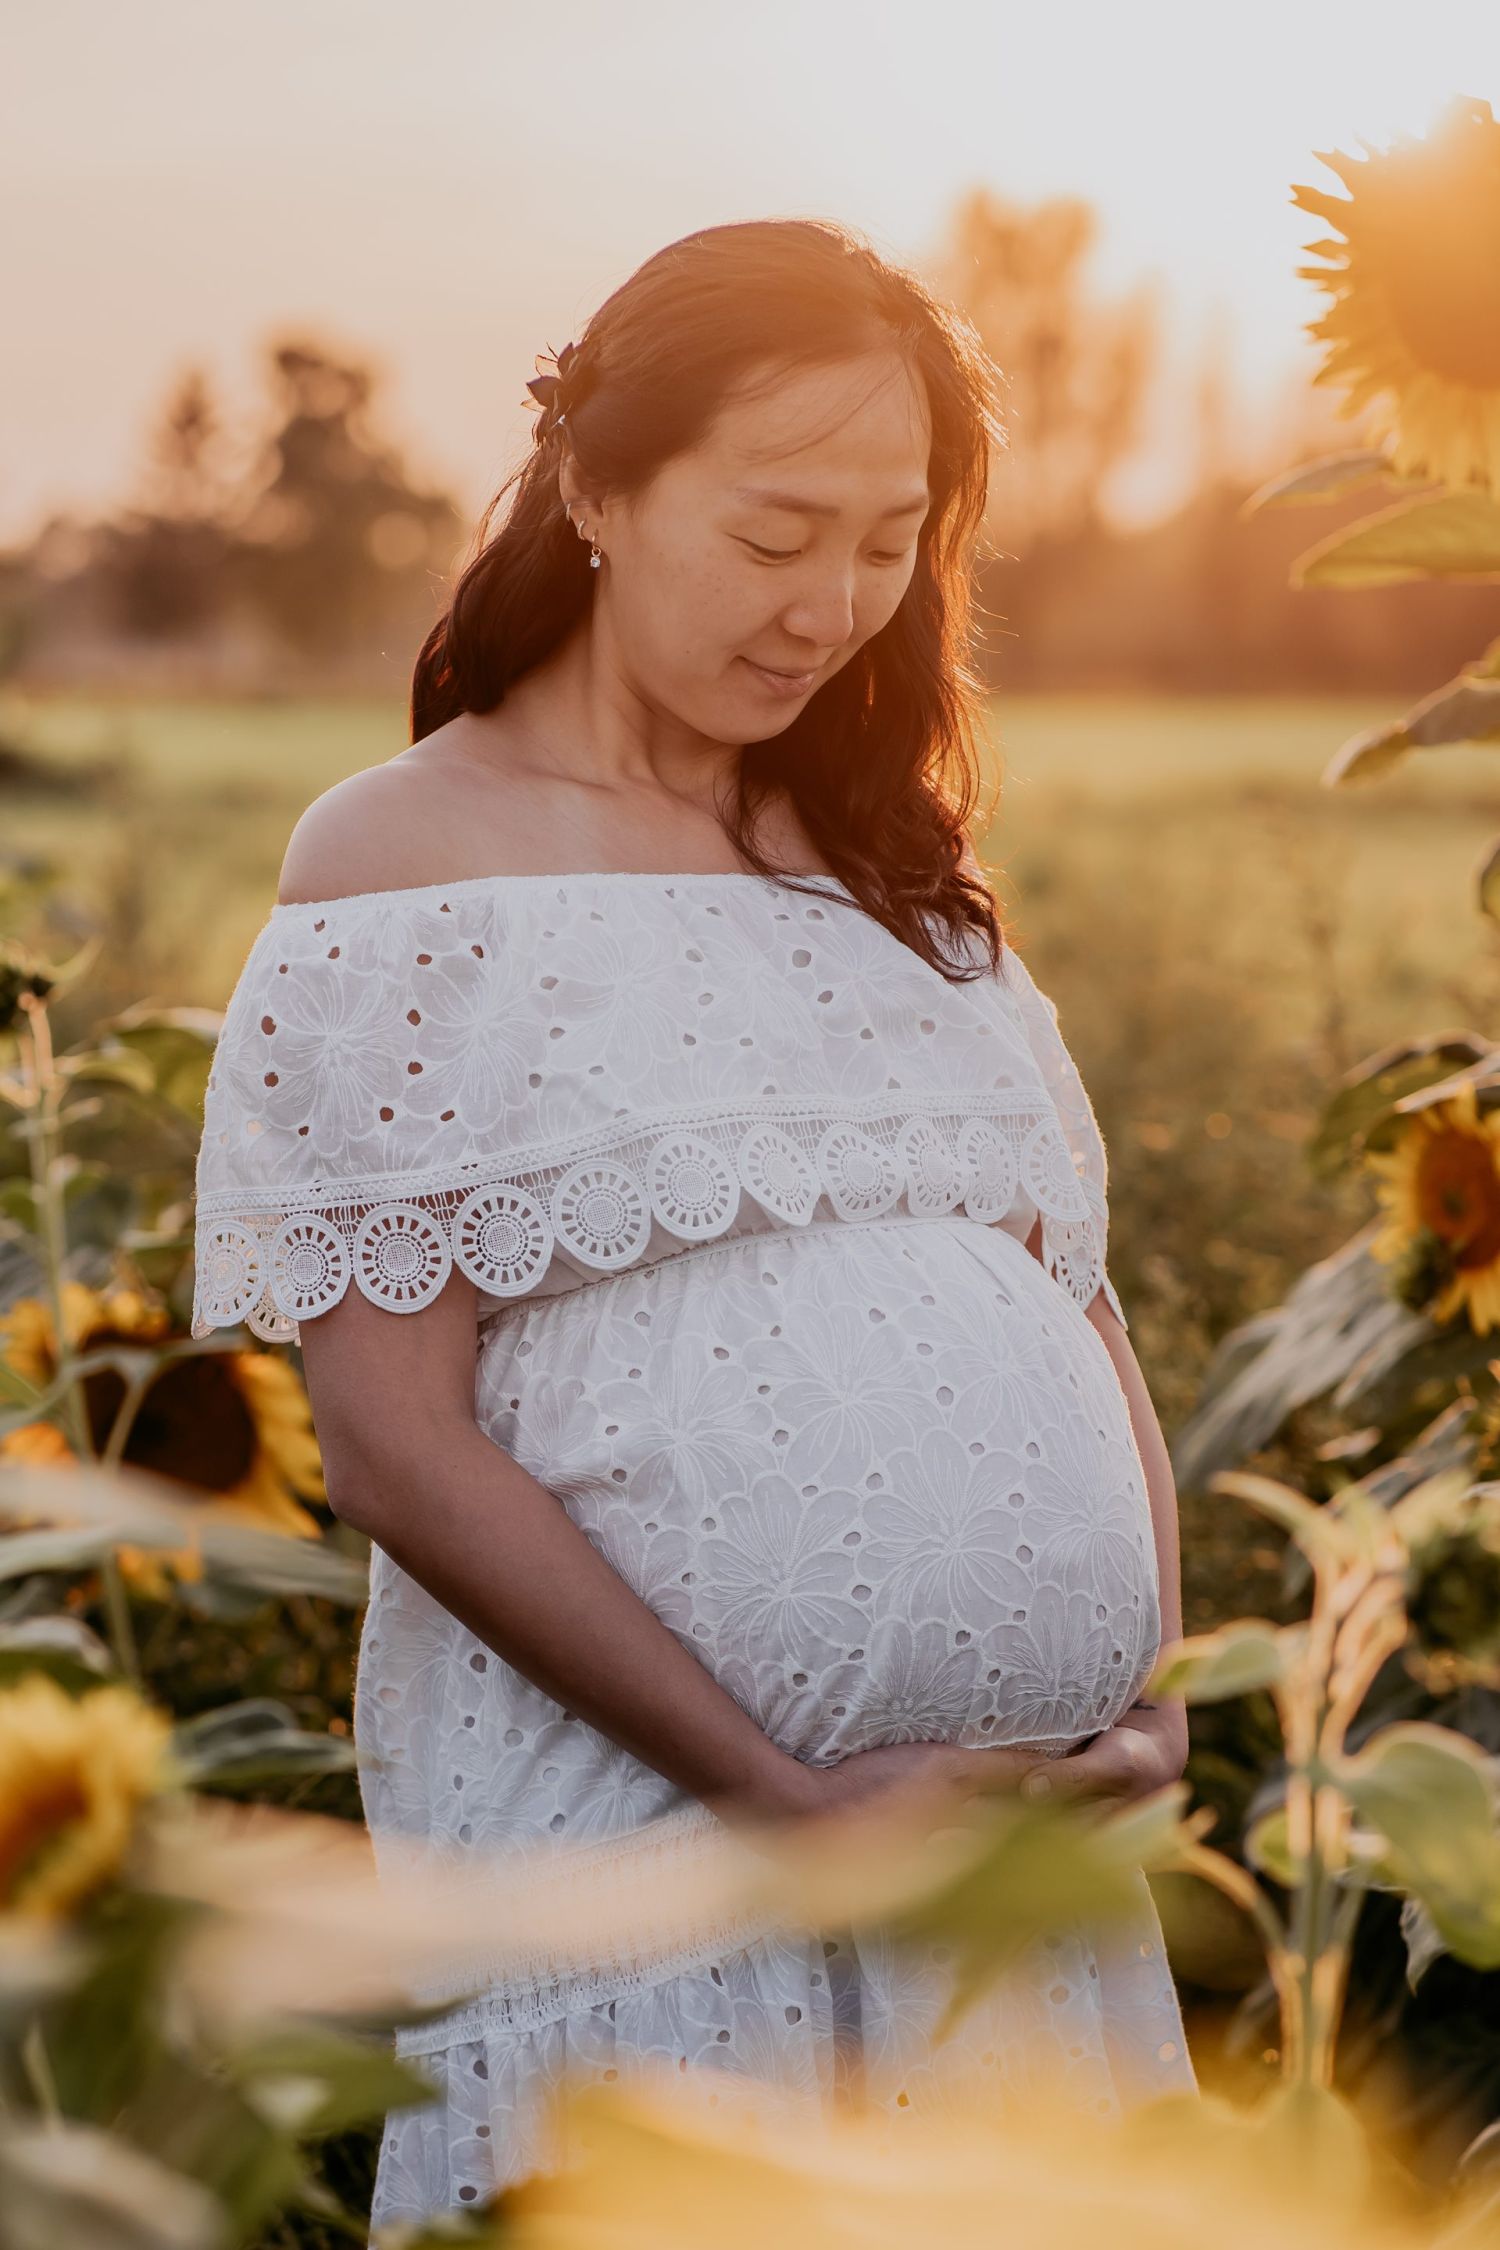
<point>117,1612</point>
<point>44,1143</point>
<point>39,2073</point>
<point>45,1090</point>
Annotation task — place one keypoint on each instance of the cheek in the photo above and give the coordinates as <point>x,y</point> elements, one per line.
<point>706,611</point>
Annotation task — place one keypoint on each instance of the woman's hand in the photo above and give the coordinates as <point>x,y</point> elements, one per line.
<point>1143,1751</point>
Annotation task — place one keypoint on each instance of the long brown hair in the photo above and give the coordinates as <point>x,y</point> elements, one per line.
<point>882,764</point>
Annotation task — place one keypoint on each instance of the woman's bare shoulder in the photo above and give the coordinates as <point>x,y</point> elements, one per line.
<point>358,836</point>
<point>410,821</point>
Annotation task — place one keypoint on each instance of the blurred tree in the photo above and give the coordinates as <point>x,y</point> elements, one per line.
<point>162,563</point>
<point>335,538</point>
<point>1076,369</point>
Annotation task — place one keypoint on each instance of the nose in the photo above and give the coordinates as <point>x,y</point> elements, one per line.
<point>822,615</point>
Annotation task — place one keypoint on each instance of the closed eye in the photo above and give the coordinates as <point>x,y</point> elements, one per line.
<point>789,554</point>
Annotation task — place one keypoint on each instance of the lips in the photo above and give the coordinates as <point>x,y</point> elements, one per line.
<point>776,672</point>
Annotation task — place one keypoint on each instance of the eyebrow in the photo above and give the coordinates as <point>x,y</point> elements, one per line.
<point>798,503</point>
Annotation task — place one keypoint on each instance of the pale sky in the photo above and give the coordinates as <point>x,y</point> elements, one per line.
<point>450,186</point>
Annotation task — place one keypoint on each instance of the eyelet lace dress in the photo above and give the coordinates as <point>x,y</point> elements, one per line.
<point>744,1187</point>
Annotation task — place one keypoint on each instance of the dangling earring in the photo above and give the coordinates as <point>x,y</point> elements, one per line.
<point>595,558</point>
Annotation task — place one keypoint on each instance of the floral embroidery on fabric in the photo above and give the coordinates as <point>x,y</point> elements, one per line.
<point>386,1060</point>
<point>744,1187</point>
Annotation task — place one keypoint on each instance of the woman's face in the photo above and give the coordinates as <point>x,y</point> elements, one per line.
<point>764,547</point>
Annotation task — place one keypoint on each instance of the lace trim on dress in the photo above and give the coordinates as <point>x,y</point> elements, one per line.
<point>275,1257</point>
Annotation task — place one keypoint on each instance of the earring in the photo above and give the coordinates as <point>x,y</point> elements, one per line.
<point>595,557</point>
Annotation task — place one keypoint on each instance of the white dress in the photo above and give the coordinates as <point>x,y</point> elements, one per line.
<point>744,1185</point>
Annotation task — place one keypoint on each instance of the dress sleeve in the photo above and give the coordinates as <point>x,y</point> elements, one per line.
<point>1075,1250</point>
<point>323,1160</point>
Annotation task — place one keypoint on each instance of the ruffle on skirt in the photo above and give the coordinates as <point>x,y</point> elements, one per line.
<point>795,2020</point>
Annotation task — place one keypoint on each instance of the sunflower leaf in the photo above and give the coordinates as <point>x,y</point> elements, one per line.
<point>1431,1794</point>
<point>102,1508</point>
<point>1362,1112</point>
<point>1336,1313</point>
<point>1234,1660</point>
<point>67,2182</point>
<point>63,1647</point>
<point>242,1745</point>
<point>1465,711</point>
<point>1324,479</point>
<point>1487,883</point>
<point>173,1049</point>
<point>321,2081</point>
<point>1455,535</point>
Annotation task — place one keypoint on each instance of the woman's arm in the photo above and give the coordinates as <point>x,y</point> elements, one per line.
<point>1162,1720</point>
<point>1161,1486</point>
<point>406,1462</point>
<point>1117,1764</point>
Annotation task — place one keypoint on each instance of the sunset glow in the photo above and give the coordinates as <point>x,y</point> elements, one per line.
<point>449,191</point>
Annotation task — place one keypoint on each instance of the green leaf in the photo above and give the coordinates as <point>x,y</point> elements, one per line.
<point>1365,1111</point>
<point>1234,1660</point>
<point>119,1359</point>
<point>97,1068</point>
<point>314,2081</point>
<point>18,1202</point>
<point>1267,1848</point>
<point>1316,1529</point>
<point>1430,1794</point>
<point>175,1046</point>
<point>1422,1938</point>
<point>24,1553</point>
<point>1465,711</point>
<point>1326,479</point>
<point>62,1647</point>
<point>1337,1315</point>
<point>1455,535</point>
<point>1487,883</point>
<point>103,1508</point>
<point>17,1390</point>
<point>243,1745</point>
<point>74,2184</point>
<point>1039,1865</point>
<point>1404,1361</point>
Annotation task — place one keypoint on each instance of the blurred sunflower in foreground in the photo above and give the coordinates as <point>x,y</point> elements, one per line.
<point>1415,321</point>
<point>676,2168</point>
<point>1440,1186</point>
<point>235,1426</point>
<point>74,1773</point>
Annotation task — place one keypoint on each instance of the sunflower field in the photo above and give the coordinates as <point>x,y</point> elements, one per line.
<point>200,1974</point>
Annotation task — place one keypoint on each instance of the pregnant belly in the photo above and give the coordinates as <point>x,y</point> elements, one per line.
<point>879,1477</point>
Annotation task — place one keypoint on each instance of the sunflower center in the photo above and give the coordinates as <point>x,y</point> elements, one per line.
<point>1458,1194</point>
<point>34,1820</point>
<point>1430,227</point>
<point>193,1423</point>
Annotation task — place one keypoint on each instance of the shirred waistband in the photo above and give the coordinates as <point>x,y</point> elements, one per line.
<point>515,1313</point>
<point>664,1933</point>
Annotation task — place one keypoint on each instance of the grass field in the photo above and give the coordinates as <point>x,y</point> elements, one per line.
<point>1203,819</point>
<point>1223,937</point>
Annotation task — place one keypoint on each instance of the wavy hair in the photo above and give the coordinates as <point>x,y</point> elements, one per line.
<point>882,764</point>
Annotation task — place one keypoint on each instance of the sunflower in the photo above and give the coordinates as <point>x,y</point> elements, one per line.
<point>233,1425</point>
<point>1415,318</point>
<point>1440,1187</point>
<point>74,1773</point>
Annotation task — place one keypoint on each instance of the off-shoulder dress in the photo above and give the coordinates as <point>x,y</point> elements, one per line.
<point>744,1186</point>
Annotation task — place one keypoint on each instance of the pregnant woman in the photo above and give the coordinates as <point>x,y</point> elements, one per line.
<point>693,1223</point>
